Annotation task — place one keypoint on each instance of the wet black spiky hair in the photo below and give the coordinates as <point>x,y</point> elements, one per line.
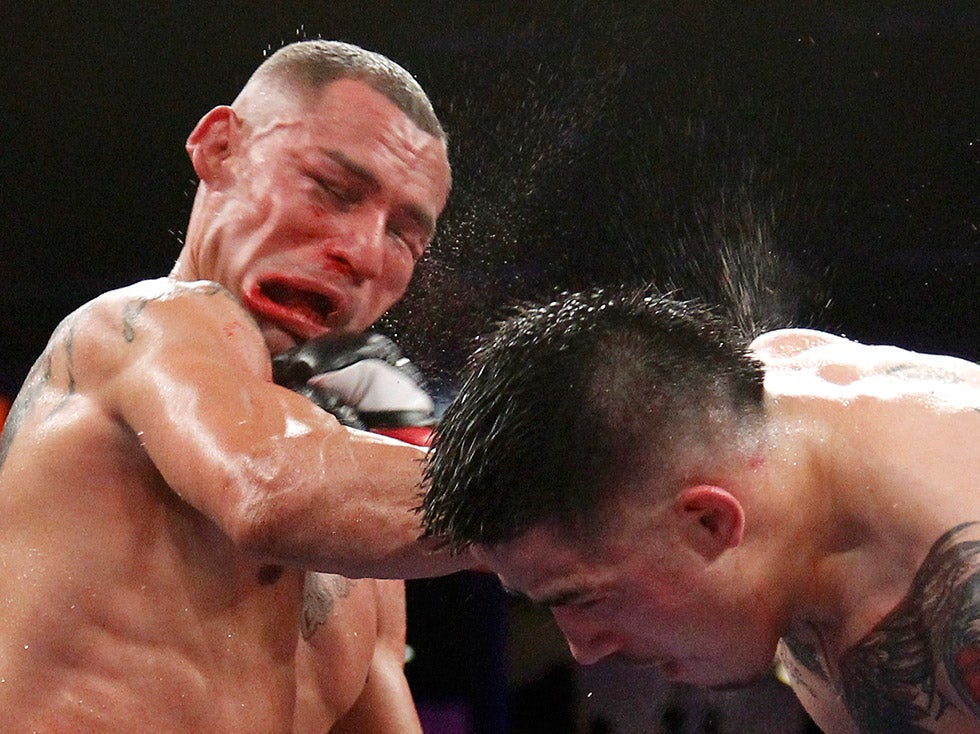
<point>568,400</point>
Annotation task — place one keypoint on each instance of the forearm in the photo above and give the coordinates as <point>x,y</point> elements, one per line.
<point>347,508</point>
<point>274,473</point>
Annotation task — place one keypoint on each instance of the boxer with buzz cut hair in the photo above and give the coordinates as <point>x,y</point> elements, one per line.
<point>686,497</point>
<point>188,546</point>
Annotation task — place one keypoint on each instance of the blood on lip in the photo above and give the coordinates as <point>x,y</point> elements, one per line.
<point>313,306</point>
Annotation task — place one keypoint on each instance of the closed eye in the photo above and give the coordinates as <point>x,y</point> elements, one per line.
<point>343,195</point>
<point>410,236</point>
<point>584,604</point>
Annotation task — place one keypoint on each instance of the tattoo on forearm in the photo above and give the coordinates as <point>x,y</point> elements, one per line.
<point>890,680</point>
<point>320,592</point>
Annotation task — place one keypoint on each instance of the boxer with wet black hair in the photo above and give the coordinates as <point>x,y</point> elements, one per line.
<point>684,497</point>
<point>161,497</point>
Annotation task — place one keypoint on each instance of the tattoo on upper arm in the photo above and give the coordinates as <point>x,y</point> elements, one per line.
<point>37,379</point>
<point>134,308</point>
<point>130,312</point>
<point>892,679</point>
<point>320,592</point>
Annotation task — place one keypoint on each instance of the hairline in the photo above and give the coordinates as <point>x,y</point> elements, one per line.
<point>291,75</point>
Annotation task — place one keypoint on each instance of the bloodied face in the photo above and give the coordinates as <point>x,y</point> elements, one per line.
<point>318,214</point>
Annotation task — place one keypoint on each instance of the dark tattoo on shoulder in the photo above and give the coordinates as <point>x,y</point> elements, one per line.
<point>37,379</point>
<point>890,680</point>
<point>130,312</point>
<point>806,654</point>
<point>912,371</point>
<point>320,592</point>
<point>134,308</point>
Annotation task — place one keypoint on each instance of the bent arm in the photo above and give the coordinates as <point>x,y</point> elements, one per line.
<point>188,372</point>
<point>385,706</point>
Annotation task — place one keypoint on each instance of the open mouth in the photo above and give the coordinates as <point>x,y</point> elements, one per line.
<point>311,306</point>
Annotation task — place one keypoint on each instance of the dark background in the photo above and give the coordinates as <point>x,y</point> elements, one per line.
<point>591,143</point>
<point>831,149</point>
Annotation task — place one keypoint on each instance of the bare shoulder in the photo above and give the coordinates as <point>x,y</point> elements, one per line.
<point>137,295</point>
<point>201,304</point>
<point>821,363</point>
<point>120,325</point>
<point>789,344</point>
<point>95,342</point>
<point>105,352</point>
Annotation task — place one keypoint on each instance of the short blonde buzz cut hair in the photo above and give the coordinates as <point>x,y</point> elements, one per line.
<point>314,64</point>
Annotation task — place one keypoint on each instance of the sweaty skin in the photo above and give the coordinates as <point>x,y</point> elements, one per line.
<point>351,658</point>
<point>851,542</point>
<point>892,644</point>
<point>160,496</point>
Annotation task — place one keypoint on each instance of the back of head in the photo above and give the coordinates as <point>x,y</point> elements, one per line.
<point>568,402</point>
<point>308,66</point>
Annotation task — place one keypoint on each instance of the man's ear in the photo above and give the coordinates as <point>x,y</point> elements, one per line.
<point>212,141</point>
<point>712,518</point>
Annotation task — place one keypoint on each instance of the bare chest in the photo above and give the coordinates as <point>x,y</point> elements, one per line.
<point>122,605</point>
<point>338,635</point>
<point>917,669</point>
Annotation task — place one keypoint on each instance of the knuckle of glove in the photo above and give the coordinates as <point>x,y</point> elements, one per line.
<point>330,352</point>
<point>383,394</point>
<point>364,380</point>
<point>345,414</point>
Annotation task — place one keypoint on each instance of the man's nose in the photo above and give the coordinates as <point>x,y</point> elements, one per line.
<point>588,642</point>
<point>360,244</point>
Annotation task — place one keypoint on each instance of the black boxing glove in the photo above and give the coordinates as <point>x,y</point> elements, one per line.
<point>364,380</point>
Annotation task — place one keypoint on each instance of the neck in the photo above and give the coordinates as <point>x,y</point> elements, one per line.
<point>811,538</point>
<point>187,267</point>
<point>793,521</point>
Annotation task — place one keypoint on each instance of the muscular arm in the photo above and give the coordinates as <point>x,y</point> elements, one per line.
<point>184,367</point>
<point>385,706</point>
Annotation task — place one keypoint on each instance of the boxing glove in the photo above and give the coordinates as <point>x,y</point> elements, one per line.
<point>364,380</point>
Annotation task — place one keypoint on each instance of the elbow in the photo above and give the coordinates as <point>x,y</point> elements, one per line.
<point>261,520</point>
<point>251,527</point>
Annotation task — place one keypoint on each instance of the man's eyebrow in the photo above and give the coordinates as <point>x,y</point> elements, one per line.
<point>556,599</point>
<point>422,218</point>
<point>352,167</point>
<point>516,593</point>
